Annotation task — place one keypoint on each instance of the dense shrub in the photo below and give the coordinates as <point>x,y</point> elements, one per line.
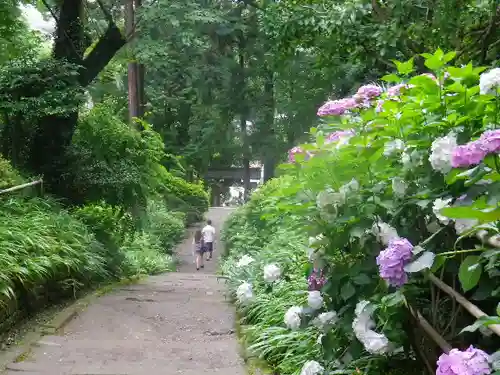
<point>114,162</point>
<point>44,254</point>
<point>188,197</point>
<point>165,225</point>
<point>396,195</point>
<point>110,227</point>
<point>145,255</point>
<point>8,176</point>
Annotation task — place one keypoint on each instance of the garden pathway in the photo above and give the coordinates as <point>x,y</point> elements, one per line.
<point>176,323</point>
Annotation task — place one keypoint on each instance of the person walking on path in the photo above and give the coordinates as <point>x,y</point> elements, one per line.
<point>198,248</point>
<point>208,232</point>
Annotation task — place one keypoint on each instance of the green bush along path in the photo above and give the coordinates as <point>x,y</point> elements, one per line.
<point>175,323</point>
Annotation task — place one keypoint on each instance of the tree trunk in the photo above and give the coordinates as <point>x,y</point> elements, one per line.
<point>133,95</point>
<point>243,121</point>
<point>268,123</point>
<point>54,132</point>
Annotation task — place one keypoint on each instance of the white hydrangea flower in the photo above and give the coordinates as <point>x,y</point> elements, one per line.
<point>437,206</point>
<point>375,343</point>
<point>292,317</point>
<point>313,240</point>
<point>244,292</point>
<point>489,81</point>
<point>441,153</point>
<point>312,368</point>
<point>362,325</point>
<point>319,340</point>
<point>244,261</point>
<point>328,198</point>
<point>384,232</point>
<point>411,159</point>
<point>351,187</point>
<point>464,225</point>
<point>394,146</point>
<point>314,299</point>
<point>399,186</point>
<point>271,273</point>
<point>325,319</point>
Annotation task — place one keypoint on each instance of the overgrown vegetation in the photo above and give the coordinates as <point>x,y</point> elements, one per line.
<point>344,264</point>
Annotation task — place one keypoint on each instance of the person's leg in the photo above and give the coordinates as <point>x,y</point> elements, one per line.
<point>210,249</point>
<point>198,260</point>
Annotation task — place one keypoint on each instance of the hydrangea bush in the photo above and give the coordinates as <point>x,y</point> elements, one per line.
<point>399,185</point>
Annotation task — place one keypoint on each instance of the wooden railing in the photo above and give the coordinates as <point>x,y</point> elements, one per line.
<point>24,186</point>
<point>430,332</point>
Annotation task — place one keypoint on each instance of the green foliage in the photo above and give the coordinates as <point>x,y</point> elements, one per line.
<point>123,166</point>
<point>45,254</point>
<point>146,256</point>
<point>390,178</point>
<point>112,161</point>
<point>109,226</point>
<point>184,196</point>
<point>46,87</point>
<point>9,177</point>
<point>165,225</point>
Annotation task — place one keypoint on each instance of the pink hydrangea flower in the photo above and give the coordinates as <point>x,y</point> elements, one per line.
<point>294,151</point>
<point>430,75</point>
<point>336,135</point>
<point>369,91</point>
<point>337,107</point>
<point>396,89</point>
<point>472,361</point>
<point>469,154</point>
<point>490,141</point>
<point>392,260</point>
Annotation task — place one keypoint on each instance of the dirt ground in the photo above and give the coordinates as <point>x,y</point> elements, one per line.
<point>176,323</point>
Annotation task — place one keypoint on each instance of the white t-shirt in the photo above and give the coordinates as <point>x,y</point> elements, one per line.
<point>208,233</point>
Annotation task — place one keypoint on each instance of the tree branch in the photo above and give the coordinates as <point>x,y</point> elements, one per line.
<point>109,44</point>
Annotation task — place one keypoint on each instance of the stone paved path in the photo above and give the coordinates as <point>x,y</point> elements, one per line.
<point>177,323</point>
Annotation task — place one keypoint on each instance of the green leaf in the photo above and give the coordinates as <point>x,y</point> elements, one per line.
<point>449,56</point>
<point>361,279</point>
<point>470,272</point>
<point>438,263</point>
<point>391,78</point>
<point>471,213</point>
<point>426,260</point>
<point>483,321</point>
<point>347,291</point>
<point>393,299</point>
<point>404,68</point>
<point>434,63</point>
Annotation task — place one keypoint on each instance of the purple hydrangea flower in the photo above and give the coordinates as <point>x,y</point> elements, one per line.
<point>336,135</point>
<point>369,91</point>
<point>316,280</point>
<point>392,260</point>
<point>469,154</point>
<point>469,362</point>
<point>337,107</point>
<point>490,141</point>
